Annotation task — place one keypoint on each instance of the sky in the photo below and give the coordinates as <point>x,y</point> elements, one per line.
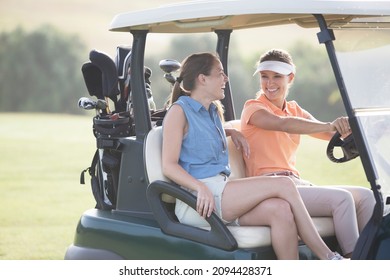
<point>91,21</point>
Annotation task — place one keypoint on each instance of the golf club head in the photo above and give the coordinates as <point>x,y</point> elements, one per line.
<point>101,104</point>
<point>109,73</point>
<point>169,65</point>
<point>93,79</point>
<point>87,103</point>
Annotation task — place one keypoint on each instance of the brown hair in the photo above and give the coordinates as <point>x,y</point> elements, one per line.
<point>192,66</point>
<point>277,55</point>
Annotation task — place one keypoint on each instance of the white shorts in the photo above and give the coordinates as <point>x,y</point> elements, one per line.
<point>189,216</point>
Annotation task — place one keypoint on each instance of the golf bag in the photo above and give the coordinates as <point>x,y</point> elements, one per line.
<point>105,165</point>
<point>108,81</point>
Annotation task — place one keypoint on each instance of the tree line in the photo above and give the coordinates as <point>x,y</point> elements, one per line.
<point>40,71</point>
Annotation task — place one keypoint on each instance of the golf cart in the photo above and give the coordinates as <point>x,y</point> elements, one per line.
<point>134,214</point>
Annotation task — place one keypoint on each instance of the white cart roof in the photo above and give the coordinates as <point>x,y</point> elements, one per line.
<point>207,16</point>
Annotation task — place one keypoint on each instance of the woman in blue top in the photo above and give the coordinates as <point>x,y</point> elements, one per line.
<point>195,156</point>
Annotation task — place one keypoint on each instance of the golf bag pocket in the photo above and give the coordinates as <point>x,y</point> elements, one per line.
<point>108,129</point>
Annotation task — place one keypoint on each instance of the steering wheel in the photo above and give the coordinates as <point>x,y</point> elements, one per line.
<point>347,145</point>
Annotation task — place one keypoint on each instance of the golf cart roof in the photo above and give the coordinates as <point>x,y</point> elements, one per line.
<point>211,15</point>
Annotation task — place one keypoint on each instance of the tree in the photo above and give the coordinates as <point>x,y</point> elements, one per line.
<point>315,85</point>
<point>40,71</point>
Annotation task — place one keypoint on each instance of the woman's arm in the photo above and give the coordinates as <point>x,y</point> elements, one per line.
<point>296,125</point>
<point>239,140</point>
<point>327,135</point>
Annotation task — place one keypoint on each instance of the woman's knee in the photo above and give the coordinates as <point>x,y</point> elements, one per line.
<point>280,212</point>
<point>270,212</point>
<point>344,197</point>
<point>287,188</point>
<point>363,195</point>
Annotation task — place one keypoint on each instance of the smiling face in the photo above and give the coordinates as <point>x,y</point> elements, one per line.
<point>275,86</point>
<point>277,72</point>
<point>216,81</point>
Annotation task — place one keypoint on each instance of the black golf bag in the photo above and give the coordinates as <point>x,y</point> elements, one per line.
<point>109,82</point>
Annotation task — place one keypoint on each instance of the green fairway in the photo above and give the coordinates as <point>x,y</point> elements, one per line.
<point>42,156</point>
<point>315,166</point>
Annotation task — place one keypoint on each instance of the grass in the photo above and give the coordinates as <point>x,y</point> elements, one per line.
<point>315,166</point>
<point>42,157</point>
<point>41,199</point>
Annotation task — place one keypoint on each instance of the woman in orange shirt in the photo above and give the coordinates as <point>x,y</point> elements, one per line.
<point>273,125</point>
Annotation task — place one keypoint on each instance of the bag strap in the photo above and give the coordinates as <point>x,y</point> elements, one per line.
<point>91,169</point>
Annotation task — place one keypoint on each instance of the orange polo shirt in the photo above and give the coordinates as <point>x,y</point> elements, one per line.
<point>270,151</point>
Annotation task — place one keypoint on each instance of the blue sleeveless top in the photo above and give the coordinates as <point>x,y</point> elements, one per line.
<point>204,151</point>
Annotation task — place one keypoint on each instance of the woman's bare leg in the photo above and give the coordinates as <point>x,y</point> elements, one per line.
<point>242,195</point>
<point>277,214</point>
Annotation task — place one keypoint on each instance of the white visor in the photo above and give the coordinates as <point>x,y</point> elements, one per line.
<point>275,66</point>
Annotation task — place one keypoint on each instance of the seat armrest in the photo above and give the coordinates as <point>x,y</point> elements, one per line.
<point>218,236</point>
